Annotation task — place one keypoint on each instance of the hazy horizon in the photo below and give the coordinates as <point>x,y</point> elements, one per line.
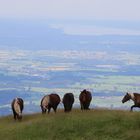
<point>80,17</point>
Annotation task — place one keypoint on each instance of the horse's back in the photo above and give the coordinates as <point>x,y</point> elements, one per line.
<point>54,98</point>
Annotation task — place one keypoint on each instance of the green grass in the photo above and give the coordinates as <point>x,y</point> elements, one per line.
<point>77,125</point>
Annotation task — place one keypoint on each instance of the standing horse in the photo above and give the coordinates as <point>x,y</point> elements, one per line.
<point>133,96</point>
<point>85,98</point>
<point>68,101</point>
<point>17,108</point>
<point>50,101</point>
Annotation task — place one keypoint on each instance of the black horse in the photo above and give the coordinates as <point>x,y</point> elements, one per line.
<point>133,96</point>
<point>68,101</point>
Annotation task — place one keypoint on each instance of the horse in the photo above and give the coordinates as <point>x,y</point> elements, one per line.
<point>17,108</point>
<point>68,101</point>
<point>85,98</point>
<point>48,102</point>
<point>134,97</point>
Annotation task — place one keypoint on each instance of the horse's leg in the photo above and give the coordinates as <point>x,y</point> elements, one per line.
<point>70,107</point>
<point>132,107</point>
<point>43,110</point>
<point>82,106</point>
<point>65,108</point>
<point>49,109</point>
<point>87,106</point>
<point>54,108</point>
<point>15,116</point>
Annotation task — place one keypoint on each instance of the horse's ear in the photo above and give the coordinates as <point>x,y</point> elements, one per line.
<point>127,93</point>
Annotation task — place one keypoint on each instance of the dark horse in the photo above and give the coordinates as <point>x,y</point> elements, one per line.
<point>50,101</point>
<point>68,101</point>
<point>17,108</point>
<point>85,98</point>
<point>133,96</point>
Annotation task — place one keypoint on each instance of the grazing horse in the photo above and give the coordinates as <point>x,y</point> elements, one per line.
<point>85,98</point>
<point>68,101</point>
<point>17,108</point>
<point>49,101</point>
<point>133,96</point>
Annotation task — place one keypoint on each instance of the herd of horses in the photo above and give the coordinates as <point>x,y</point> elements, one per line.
<point>52,101</point>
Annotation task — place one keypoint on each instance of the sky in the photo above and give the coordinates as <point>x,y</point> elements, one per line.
<point>70,15</point>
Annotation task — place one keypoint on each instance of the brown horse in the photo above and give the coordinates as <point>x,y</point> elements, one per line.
<point>17,108</point>
<point>49,101</point>
<point>68,101</point>
<point>133,96</point>
<point>85,98</point>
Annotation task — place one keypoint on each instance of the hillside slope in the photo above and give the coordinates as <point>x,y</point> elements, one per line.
<point>77,125</point>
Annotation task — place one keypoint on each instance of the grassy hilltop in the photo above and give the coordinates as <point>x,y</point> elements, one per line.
<point>77,125</point>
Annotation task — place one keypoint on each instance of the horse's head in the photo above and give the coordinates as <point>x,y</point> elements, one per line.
<point>44,108</point>
<point>126,98</point>
<point>19,116</point>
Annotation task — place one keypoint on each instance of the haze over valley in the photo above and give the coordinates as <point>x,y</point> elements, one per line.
<point>36,59</point>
